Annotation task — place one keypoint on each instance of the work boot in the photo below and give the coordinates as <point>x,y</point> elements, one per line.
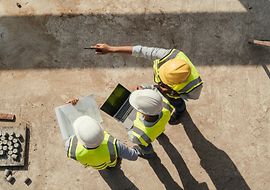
<point>175,118</point>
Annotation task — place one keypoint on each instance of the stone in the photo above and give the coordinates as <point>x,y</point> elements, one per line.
<point>10,138</point>
<point>11,133</point>
<point>15,150</point>
<point>9,143</point>
<point>10,179</point>
<point>10,147</point>
<point>18,135</point>
<point>16,145</point>
<point>14,156</point>
<point>7,172</point>
<point>28,181</point>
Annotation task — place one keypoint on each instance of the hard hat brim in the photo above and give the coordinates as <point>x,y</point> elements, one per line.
<point>133,102</point>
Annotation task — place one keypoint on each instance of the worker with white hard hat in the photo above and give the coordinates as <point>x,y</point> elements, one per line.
<point>153,113</point>
<point>92,146</point>
<point>176,76</point>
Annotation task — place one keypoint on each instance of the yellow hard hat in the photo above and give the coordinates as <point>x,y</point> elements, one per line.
<point>174,71</point>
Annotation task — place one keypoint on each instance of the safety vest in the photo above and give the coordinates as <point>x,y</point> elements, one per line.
<point>146,135</point>
<point>192,81</point>
<point>105,155</point>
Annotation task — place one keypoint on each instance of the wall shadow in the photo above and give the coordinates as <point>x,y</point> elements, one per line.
<point>54,42</point>
<point>266,70</point>
<point>188,181</point>
<point>163,174</point>
<point>220,168</point>
<point>117,180</point>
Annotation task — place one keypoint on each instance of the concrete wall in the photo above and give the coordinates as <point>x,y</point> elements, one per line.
<point>211,32</point>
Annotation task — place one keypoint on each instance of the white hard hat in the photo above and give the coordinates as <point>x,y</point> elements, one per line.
<point>146,101</point>
<point>88,131</point>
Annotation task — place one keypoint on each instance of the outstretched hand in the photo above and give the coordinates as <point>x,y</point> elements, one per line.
<point>137,87</point>
<point>102,48</point>
<point>73,101</point>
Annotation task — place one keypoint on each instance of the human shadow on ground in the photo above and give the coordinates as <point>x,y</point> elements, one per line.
<point>188,181</point>
<point>117,180</point>
<point>220,168</point>
<point>163,174</point>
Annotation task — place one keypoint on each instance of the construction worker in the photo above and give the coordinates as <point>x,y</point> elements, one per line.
<point>92,146</point>
<point>153,113</point>
<point>176,77</point>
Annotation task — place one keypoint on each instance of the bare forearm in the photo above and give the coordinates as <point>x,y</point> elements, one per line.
<point>105,48</point>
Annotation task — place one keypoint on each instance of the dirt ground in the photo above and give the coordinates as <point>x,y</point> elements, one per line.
<point>223,139</point>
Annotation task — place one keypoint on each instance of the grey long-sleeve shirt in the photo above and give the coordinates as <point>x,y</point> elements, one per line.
<point>153,53</point>
<point>123,151</point>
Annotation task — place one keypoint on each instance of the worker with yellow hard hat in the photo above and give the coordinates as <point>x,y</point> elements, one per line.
<point>176,77</point>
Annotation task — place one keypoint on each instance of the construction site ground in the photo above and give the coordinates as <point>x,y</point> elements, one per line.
<point>223,139</point>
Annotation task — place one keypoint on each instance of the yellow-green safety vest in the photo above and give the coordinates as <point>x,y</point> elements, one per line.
<point>146,135</point>
<point>191,83</point>
<point>105,155</point>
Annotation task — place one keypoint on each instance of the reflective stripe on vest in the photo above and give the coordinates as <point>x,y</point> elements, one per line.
<point>105,155</point>
<point>189,86</point>
<point>192,82</point>
<point>145,134</point>
<point>141,134</point>
<point>111,149</point>
<point>72,148</point>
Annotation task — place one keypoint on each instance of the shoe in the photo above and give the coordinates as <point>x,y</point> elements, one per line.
<point>175,118</point>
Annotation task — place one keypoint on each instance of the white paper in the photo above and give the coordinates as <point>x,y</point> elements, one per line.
<point>67,114</point>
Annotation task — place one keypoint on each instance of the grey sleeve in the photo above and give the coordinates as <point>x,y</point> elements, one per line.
<point>126,152</point>
<point>132,138</point>
<point>194,94</point>
<point>150,53</point>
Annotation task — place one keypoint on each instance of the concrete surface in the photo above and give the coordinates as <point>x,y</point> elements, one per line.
<point>223,141</point>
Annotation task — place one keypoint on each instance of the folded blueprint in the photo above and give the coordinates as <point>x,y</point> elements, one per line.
<point>67,114</point>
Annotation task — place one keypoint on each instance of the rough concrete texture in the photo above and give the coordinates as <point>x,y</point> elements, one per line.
<point>223,141</point>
